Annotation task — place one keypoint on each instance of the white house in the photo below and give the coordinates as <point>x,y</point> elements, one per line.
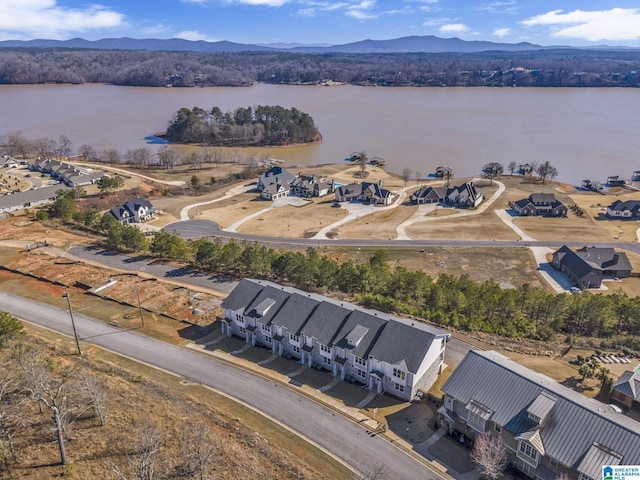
<point>385,353</point>
<point>137,210</point>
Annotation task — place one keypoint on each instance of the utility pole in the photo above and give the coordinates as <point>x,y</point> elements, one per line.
<point>73,323</point>
<point>140,307</point>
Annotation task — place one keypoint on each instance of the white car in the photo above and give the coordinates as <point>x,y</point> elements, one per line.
<point>575,290</point>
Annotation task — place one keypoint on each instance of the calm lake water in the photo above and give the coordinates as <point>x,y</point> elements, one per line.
<point>585,133</point>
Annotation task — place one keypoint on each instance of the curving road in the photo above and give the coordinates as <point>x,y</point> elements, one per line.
<point>345,439</point>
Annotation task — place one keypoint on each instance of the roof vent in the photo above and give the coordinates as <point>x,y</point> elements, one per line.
<point>375,313</point>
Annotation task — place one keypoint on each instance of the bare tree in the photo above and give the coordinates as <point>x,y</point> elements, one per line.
<point>41,385</point>
<point>406,175</point>
<point>199,451</point>
<point>378,472</point>
<point>45,146</point>
<point>418,175</point>
<point>490,453</point>
<point>96,393</point>
<point>87,152</point>
<point>512,166</point>
<point>142,464</point>
<point>168,157</point>
<point>64,147</point>
<point>10,425</point>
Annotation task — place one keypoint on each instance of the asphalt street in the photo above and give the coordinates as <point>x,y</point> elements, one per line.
<point>344,438</point>
<point>193,229</point>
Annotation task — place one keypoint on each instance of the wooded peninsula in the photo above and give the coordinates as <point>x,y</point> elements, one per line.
<point>259,126</point>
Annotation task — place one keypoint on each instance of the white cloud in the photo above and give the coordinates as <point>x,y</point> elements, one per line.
<point>28,19</point>
<point>435,22</point>
<point>195,36</point>
<point>615,24</point>
<point>509,6</point>
<point>317,8</point>
<point>362,10</point>
<point>454,28</point>
<point>265,3</point>
<point>501,32</point>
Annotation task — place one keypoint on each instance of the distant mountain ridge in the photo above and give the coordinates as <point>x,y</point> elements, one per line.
<point>411,44</point>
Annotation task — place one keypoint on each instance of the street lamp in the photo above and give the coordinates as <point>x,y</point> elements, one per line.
<point>73,323</point>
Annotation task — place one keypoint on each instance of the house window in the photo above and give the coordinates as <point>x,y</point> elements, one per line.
<point>327,361</point>
<point>528,450</point>
<point>398,387</point>
<point>399,374</point>
<point>242,330</point>
<point>526,468</point>
<point>240,318</point>
<point>295,350</point>
<point>265,328</point>
<point>325,348</point>
<point>553,462</point>
<point>359,361</point>
<point>497,428</point>
<point>476,421</point>
<point>267,339</point>
<point>294,338</point>
<point>534,418</point>
<point>361,373</point>
<point>584,477</point>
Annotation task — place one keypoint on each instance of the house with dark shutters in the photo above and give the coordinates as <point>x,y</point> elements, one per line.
<point>383,352</point>
<point>275,174</point>
<point>465,195</point>
<point>587,266</point>
<point>548,429</point>
<point>137,210</point>
<point>540,204</point>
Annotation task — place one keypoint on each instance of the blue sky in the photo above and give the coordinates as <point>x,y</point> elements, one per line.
<point>545,22</point>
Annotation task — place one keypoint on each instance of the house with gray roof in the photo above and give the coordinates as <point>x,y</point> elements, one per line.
<point>588,266</point>
<point>30,198</point>
<point>383,352</point>
<point>137,210</point>
<point>275,190</point>
<point>366,192</point>
<point>548,429</point>
<point>626,390</point>
<point>629,209</point>
<point>70,175</point>
<point>465,195</point>
<point>310,186</point>
<point>275,174</point>
<point>540,204</point>
<point>429,195</point>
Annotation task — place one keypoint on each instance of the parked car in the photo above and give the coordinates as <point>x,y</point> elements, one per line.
<point>575,290</point>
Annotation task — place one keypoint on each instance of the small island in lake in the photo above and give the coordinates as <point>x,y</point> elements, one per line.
<point>259,126</point>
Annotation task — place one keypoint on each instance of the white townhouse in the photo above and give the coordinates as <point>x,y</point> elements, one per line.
<point>385,353</point>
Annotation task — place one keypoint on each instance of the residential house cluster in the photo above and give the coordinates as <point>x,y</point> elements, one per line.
<point>540,204</point>
<point>278,182</point>
<point>8,162</point>
<point>66,173</point>
<point>137,210</point>
<point>366,192</point>
<point>588,266</point>
<point>548,429</point>
<point>465,195</point>
<point>385,353</point>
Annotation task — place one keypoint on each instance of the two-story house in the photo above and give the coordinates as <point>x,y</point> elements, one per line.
<point>629,209</point>
<point>588,266</point>
<point>137,210</point>
<point>548,429</point>
<point>385,353</point>
<point>275,174</point>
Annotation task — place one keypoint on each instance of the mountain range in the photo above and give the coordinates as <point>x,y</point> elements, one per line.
<point>424,44</point>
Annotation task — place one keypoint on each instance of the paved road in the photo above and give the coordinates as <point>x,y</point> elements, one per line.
<point>193,229</point>
<point>345,439</point>
<point>152,266</point>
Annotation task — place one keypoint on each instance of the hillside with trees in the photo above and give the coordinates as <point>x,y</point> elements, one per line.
<point>539,68</point>
<point>260,126</point>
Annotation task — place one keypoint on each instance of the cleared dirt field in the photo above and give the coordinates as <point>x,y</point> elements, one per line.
<point>595,206</point>
<point>297,222</point>
<point>484,226</point>
<point>511,267</point>
<point>377,225</point>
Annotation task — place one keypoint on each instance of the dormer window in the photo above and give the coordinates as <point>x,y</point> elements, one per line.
<point>534,418</point>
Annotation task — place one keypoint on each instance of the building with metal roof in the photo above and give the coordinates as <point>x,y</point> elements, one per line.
<point>384,352</point>
<point>30,198</point>
<point>548,428</point>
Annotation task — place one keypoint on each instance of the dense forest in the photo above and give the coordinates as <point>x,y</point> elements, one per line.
<point>540,68</point>
<point>262,126</point>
